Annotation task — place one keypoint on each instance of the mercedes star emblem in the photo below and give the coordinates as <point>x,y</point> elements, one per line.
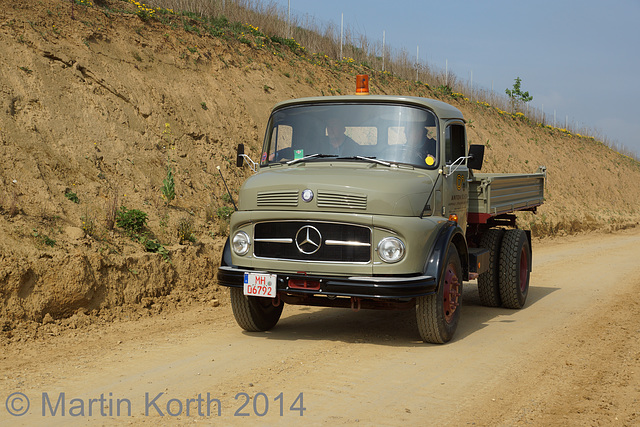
<point>307,195</point>
<point>308,240</point>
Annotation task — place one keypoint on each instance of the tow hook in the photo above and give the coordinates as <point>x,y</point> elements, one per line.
<point>276,301</point>
<point>355,304</point>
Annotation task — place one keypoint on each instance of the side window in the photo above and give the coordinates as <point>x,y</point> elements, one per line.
<point>281,137</point>
<point>455,143</point>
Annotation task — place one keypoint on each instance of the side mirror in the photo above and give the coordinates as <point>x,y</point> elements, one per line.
<point>240,155</point>
<point>476,156</point>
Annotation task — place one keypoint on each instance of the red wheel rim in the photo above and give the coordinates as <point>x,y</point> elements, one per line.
<point>524,270</point>
<point>451,293</point>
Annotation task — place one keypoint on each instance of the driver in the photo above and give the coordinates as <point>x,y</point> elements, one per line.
<point>339,143</point>
<point>418,142</point>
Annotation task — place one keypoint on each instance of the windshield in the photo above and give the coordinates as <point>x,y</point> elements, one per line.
<point>387,132</point>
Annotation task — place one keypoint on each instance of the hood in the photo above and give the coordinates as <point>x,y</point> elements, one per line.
<point>339,187</point>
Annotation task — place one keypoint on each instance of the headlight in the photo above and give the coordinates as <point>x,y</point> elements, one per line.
<point>391,249</point>
<point>240,243</point>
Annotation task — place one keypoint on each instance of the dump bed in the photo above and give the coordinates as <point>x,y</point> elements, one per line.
<point>492,194</point>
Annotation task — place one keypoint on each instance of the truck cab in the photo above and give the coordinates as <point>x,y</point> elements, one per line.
<point>361,202</point>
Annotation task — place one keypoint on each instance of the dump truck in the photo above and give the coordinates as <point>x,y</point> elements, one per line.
<point>375,202</point>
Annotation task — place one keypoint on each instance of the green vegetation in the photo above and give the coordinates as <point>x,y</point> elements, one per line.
<point>272,30</point>
<point>186,230</point>
<point>112,213</point>
<point>134,222</point>
<point>131,220</point>
<point>168,186</point>
<point>152,245</point>
<point>516,94</point>
<point>224,212</point>
<point>72,196</point>
<point>44,238</point>
<point>88,224</point>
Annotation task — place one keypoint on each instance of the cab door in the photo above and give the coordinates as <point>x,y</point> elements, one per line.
<point>455,189</point>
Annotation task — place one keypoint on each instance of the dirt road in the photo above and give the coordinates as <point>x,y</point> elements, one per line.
<point>570,357</point>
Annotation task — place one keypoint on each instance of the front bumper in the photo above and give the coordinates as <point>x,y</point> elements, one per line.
<point>378,287</point>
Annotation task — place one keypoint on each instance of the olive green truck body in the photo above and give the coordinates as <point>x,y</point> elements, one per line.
<point>372,202</point>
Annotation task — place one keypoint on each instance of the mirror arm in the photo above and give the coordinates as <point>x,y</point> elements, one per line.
<point>252,164</point>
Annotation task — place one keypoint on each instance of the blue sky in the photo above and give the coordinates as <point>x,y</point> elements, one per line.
<point>579,58</point>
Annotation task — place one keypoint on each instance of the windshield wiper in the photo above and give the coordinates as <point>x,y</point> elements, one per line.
<point>310,156</point>
<point>367,159</point>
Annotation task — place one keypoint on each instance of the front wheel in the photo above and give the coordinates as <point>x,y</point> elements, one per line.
<point>438,314</point>
<point>254,314</point>
<point>515,254</point>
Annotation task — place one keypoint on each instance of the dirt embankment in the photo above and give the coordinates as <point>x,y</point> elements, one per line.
<point>96,102</point>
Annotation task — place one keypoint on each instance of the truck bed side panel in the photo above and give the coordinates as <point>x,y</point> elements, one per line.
<point>496,194</point>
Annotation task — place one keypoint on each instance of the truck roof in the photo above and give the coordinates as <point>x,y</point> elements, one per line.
<point>442,109</point>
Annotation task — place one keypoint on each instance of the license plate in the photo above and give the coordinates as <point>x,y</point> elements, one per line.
<point>260,285</point>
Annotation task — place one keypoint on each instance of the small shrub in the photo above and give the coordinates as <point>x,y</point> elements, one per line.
<point>112,212</point>
<point>143,15</point>
<point>131,220</point>
<point>167,135</point>
<point>444,90</point>
<point>72,196</point>
<point>291,43</point>
<point>152,245</point>
<point>88,224</point>
<point>169,186</point>
<point>210,212</point>
<point>44,238</point>
<point>186,230</point>
<point>224,212</point>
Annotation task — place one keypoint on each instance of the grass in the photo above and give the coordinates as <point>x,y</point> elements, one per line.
<point>186,230</point>
<point>168,186</point>
<point>111,212</point>
<point>43,238</point>
<point>89,225</point>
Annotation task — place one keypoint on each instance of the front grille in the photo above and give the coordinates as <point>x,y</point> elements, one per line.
<point>278,198</point>
<point>313,241</point>
<point>328,199</point>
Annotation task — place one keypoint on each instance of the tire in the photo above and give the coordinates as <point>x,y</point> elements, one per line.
<point>254,314</point>
<point>437,315</point>
<point>489,281</point>
<point>515,254</point>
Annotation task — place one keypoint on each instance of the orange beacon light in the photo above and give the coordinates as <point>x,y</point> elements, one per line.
<point>362,84</point>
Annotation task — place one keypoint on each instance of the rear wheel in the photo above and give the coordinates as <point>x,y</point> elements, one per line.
<point>489,281</point>
<point>437,315</point>
<point>254,314</point>
<point>515,269</point>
